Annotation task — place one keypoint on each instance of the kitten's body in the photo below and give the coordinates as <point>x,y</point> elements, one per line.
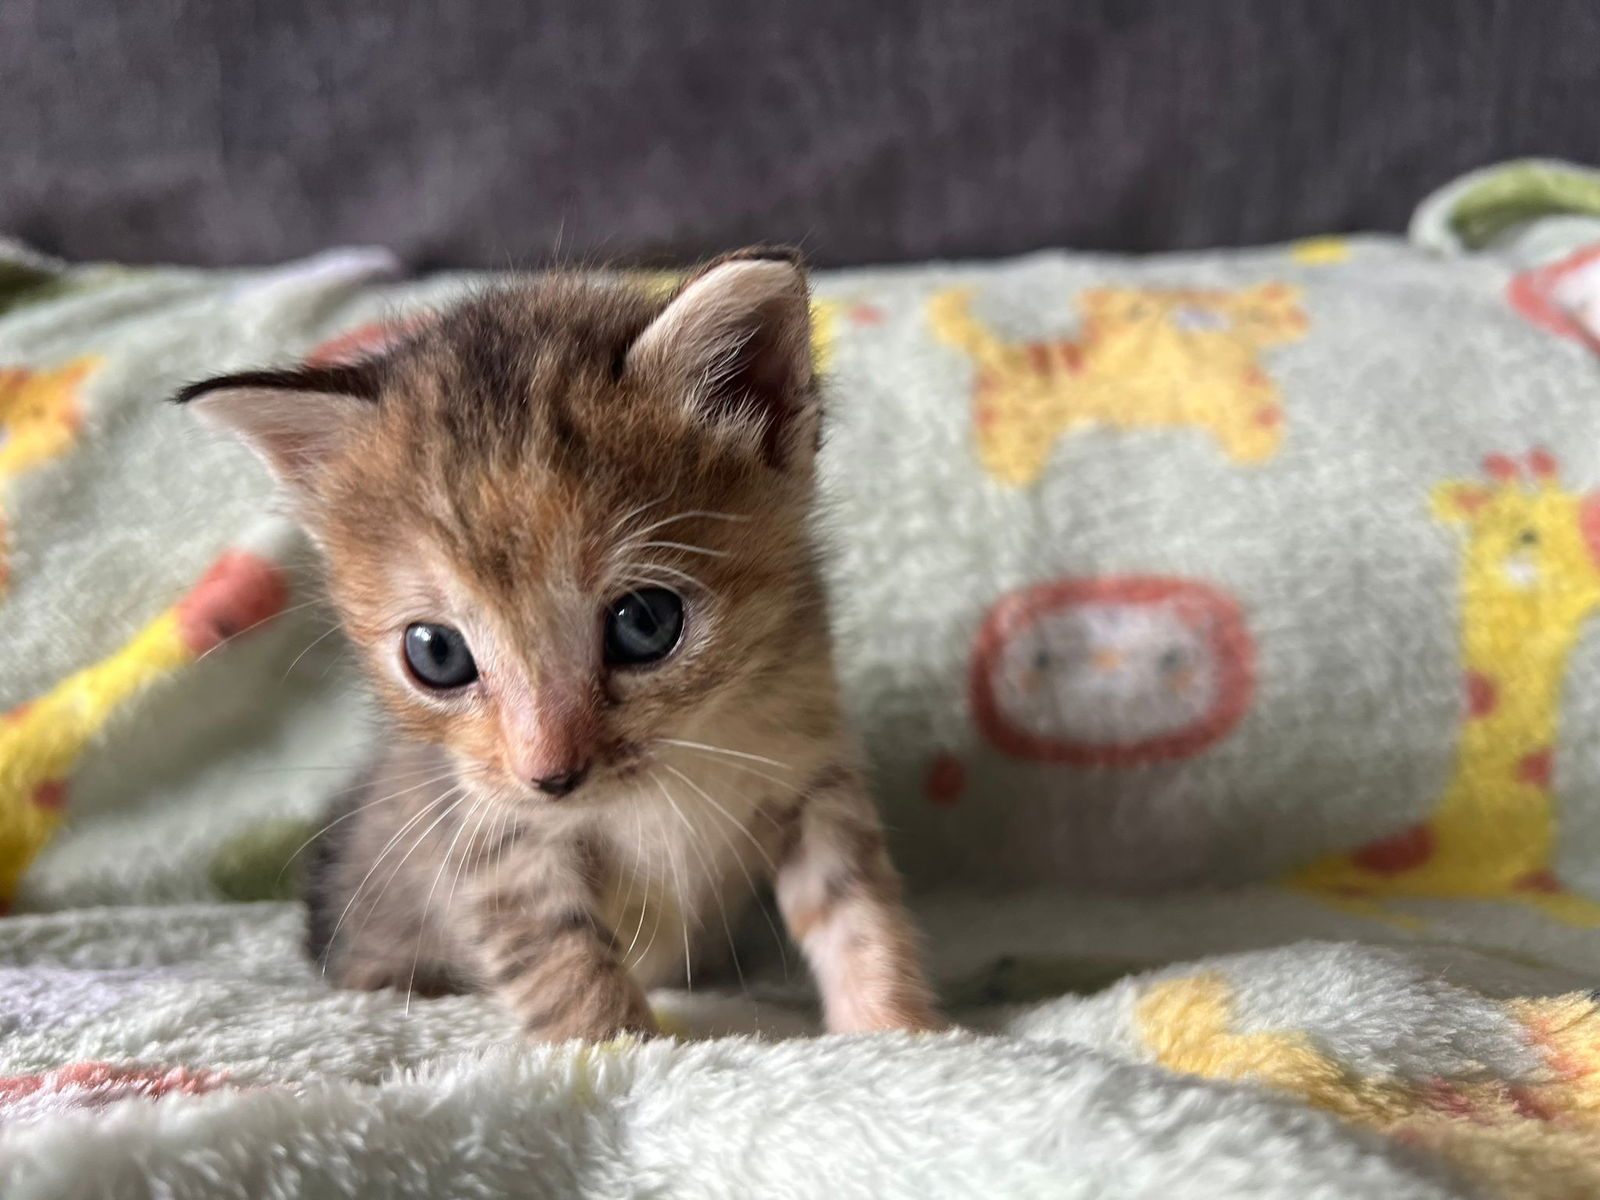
<point>569,827</point>
<point>668,870</point>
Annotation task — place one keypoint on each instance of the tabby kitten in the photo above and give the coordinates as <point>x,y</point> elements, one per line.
<point>567,526</point>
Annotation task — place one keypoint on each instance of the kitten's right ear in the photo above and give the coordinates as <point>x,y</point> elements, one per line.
<point>737,340</point>
<point>295,420</point>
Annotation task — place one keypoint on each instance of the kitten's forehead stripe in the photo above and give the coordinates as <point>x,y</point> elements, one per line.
<point>521,446</point>
<point>506,372</point>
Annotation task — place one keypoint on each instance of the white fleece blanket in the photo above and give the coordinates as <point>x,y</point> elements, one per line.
<point>206,1059</point>
<point>1289,562</point>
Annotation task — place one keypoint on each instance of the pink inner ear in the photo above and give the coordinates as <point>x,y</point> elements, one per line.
<point>1469,499</point>
<point>364,341</point>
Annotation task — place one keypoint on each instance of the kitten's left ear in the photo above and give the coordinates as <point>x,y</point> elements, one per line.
<point>737,339</point>
<point>295,420</point>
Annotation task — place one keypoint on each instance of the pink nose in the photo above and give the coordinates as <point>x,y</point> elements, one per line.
<point>554,770</point>
<point>550,736</point>
<point>554,755</point>
<point>1589,524</point>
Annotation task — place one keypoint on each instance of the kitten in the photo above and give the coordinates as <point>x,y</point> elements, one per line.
<point>567,526</point>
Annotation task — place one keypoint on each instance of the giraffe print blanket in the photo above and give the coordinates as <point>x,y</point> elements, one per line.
<point>1274,569</point>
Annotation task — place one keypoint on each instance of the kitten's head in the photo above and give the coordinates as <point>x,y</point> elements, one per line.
<point>564,521</point>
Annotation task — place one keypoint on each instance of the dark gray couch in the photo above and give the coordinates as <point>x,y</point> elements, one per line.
<point>483,133</point>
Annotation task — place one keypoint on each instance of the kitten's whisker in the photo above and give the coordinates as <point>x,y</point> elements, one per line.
<point>644,900</point>
<point>683,575</point>
<point>755,899</point>
<point>616,526</point>
<point>314,644</point>
<point>239,633</point>
<point>337,659</point>
<point>683,546</point>
<point>685,516</point>
<point>683,916</point>
<point>788,786</point>
<point>418,816</point>
<point>760,849</point>
<point>755,894</point>
<point>722,904</point>
<point>638,578</point>
<point>360,808</point>
<point>711,877</point>
<point>427,903</point>
<point>655,926</point>
<point>412,849</point>
<point>503,835</point>
<point>397,777</point>
<point>414,820</point>
<point>633,880</point>
<point>482,810</point>
<point>440,801</point>
<point>760,758</point>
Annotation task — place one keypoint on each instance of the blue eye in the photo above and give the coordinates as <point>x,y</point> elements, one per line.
<point>438,656</point>
<point>643,627</point>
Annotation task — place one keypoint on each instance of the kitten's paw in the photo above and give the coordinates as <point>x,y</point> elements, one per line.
<point>900,1018</point>
<point>921,1020</point>
<point>927,1022</point>
<point>603,1016</point>
<point>592,1031</point>
<point>424,979</point>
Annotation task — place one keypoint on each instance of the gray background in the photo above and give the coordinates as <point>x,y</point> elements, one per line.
<point>498,132</point>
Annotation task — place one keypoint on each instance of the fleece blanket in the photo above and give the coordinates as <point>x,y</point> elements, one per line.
<point>193,1053</point>
<point>1270,566</point>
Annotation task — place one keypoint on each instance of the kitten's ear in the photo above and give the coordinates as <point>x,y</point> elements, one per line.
<point>296,419</point>
<point>737,338</point>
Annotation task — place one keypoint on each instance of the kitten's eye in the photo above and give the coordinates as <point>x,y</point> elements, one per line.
<point>643,627</point>
<point>1528,537</point>
<point>438,656</point>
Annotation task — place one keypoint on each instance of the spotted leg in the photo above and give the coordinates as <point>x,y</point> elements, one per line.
<point>840,897</point>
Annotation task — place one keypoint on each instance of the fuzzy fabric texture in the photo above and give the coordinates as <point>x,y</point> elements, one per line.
<point>1327,1069</point>
<point>1270,566</point>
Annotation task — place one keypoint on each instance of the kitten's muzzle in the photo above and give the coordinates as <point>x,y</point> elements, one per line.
<point>563,783</point>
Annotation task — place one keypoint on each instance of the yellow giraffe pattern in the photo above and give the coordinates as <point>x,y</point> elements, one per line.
<point>1534,1139</point>
<point>1530,578</point>
<point>1145,359</point>
<point>39,421</point>
<point>41,742</point>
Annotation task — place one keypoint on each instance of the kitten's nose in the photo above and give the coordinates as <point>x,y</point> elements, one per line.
<point>561,784</point>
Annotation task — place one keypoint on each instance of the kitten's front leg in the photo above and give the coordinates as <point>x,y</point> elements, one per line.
<point>550,960</point>
<point>840,897</point>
